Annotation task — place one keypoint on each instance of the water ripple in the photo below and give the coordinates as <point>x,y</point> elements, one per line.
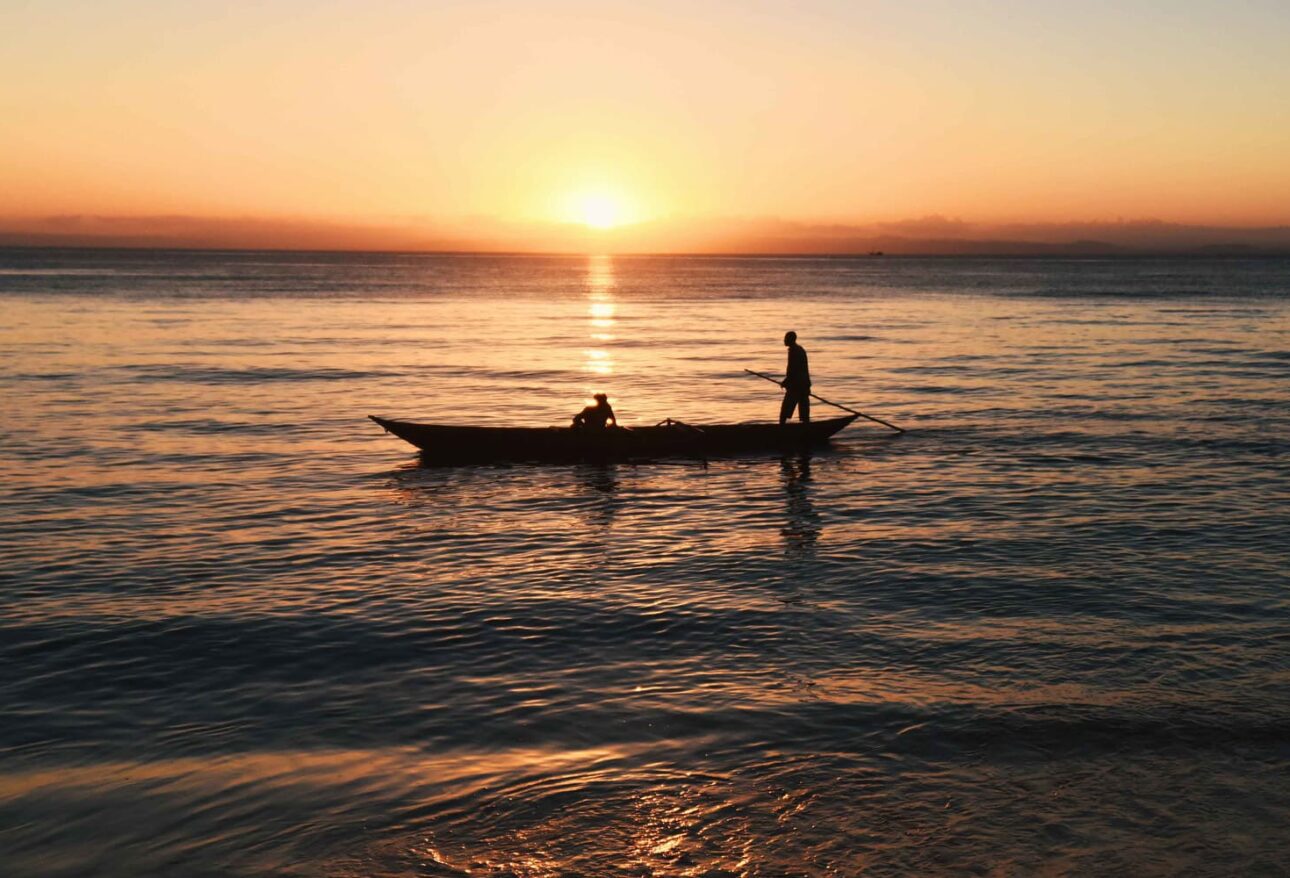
<point>1043,632</point>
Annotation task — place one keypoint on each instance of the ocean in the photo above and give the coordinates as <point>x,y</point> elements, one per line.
<point>1046,631</point>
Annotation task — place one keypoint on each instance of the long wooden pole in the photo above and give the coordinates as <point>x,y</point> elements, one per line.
<point>829,402</point>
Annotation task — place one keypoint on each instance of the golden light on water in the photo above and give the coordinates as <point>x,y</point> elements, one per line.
<point>601,309</point>
<point>600,275</point>
<point>598,362</point>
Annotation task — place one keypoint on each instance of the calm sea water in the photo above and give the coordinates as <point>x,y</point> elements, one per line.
<point>244,633</point>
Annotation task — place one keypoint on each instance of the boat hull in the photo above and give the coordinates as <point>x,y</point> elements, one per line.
<point>449,444</point>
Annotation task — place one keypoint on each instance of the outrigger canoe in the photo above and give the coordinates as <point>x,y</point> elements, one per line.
<point>447,444</point>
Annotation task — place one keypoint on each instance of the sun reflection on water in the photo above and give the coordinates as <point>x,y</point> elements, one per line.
<point>598,361</point>
<point>601,310</point>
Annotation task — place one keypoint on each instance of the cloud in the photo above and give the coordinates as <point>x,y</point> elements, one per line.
<point>935,226</point>
<point>931,235</point>
<point>181,231</point>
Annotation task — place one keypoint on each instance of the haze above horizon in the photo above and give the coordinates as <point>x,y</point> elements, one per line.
<point>627,126</point>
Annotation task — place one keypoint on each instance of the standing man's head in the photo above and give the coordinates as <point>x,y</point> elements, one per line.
<point>600,397</point>
<point>790,339</point>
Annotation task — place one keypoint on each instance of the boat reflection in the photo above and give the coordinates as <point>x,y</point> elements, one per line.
<point>802,530</point>
<point>600,491</point>
<point>421,483</point>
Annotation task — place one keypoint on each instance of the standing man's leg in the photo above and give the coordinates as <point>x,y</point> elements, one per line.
<point>804,406</point>
<point>786,407</point>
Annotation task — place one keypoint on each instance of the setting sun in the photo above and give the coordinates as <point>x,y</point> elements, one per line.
<point>597,209</point>
<point>599,212</point>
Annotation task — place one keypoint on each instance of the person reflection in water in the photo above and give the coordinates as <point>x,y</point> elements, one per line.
<point>796,383</point>
<point>802,530</point>
<point>596,417</point>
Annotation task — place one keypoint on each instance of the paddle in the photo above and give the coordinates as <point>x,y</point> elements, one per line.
<point>834,404</point>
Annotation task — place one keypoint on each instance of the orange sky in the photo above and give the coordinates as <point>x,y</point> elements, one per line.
<point>451,117</point>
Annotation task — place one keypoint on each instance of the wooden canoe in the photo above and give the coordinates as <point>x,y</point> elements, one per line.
<point>443,443</point>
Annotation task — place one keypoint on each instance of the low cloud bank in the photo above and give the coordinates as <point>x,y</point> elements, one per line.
<point>932,235</point>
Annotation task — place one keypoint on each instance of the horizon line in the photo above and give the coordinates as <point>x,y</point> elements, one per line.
<point>1076,249</point>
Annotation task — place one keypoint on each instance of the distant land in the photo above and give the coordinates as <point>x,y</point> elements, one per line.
<point>928,236</point>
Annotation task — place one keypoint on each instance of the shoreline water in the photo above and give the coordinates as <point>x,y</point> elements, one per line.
<point>1044,630</point>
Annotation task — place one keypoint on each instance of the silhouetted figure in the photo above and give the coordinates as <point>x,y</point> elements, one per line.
<point>596,417</point>
<point>796,383</point>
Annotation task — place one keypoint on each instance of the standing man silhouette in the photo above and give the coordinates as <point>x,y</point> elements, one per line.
<point>796,383</point>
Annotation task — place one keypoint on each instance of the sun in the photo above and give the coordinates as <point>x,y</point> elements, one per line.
<point>599,210</point>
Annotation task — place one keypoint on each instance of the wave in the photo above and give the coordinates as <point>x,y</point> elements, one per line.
<point>246,375</point>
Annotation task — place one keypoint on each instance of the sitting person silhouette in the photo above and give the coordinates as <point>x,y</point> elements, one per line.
<point>596,417</point>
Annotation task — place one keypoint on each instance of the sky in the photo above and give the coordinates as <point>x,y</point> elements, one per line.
<point>554,125</point>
